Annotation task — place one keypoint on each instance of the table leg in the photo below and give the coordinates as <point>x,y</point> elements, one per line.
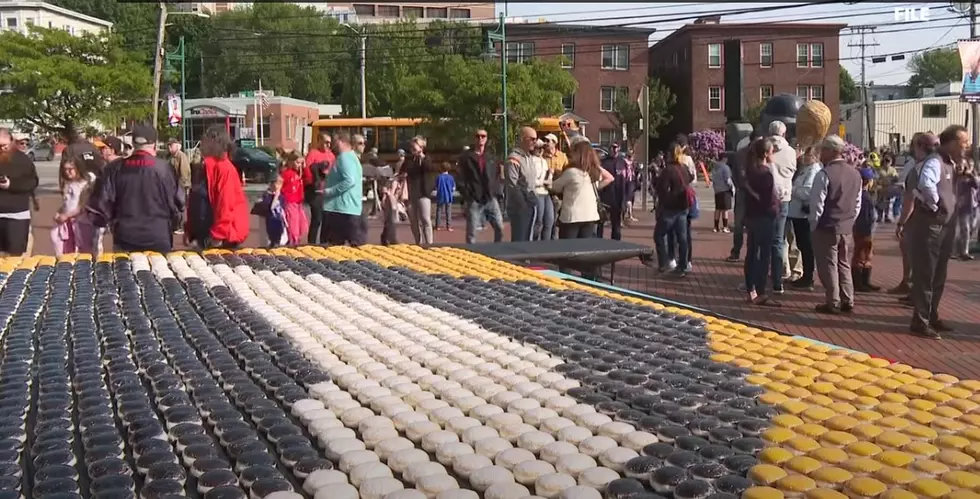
<point>612,273</point>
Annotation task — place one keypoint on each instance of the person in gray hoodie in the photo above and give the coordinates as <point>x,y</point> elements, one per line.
<point>783,170</point>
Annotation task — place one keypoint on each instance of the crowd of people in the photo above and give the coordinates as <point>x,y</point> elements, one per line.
<point>834,204</point>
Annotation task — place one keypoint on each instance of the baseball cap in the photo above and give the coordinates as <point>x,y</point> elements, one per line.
<point>144,134</point>
<point>19,137</point>
<point>173,140</point>
<point>551,138</point>
<point>114,143</point>
<point>99,143</point>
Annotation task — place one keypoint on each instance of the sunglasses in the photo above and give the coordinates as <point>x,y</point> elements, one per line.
<point>481,135</point>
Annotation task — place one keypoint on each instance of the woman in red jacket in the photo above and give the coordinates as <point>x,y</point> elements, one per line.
<point>297,222</point>
<point>226,194</point>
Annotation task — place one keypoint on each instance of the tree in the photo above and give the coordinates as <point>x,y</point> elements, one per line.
<point>753,115</point>
<point>627,111</point>
<point>59,82</point>
<point>933,68</point>
<point>849,91</point>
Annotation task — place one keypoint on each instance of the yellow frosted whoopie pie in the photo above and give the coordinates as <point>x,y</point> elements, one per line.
<point>794,406</point>
<point>951,442</point>
<point>777,435</point>
<point>956,392</point>
<point>863,449</point>
<point>819,400</point>
<point>862,486</point>
<point>898,494</point>
<point>954,458</point>
<point>802,465</point>
<point>963,405</point>
<point>786,420</point>
<point>938,397</point>
<point>888,384</point>
<point>851,384</point>
<point>892,439</point>
<point>919,373</point>
<point>843,395</point>
<point>972,420</point>
<point>841,422</point>
<point>947,425</point>
<point>962,494</point>
<point>870,391</point>
<point>969,384</point>
<point>766,474</point>
<point>920,417</point>
<point>811,430</point>
<point>894,397</point>
<point>961,479</point>
<point>929,488</point>
<point>783,376</point>
<point>931,385</point>
<point>837,438</point>
<point>892,409</point>
<point>832,378</point>
<point>795,484</point>
<point>973,450</point>
<point>830,455</point>
<point>945,411</point>
<point>800,381</point>
<point>920,431</point>
<point>921,404</point>
<point>772,398</point>
<point>775,455</point>
<point>913,391</point>
<point>894,422</point>
<point>865,402</point>
<point>920,448</point>
<point>945,379</point>
<point>891,475</point>
<point>861,465</point>
<point>895,458</point>
<point>844,407</point>
<point>867,415</point>
<point>831,477</point>
<point>821,387</point>
<point>797,392</point>
<point>802,444</point>
<point>867,431</point>
<point>822,493</point>
<point>929,467</point>
<point>762,493</point>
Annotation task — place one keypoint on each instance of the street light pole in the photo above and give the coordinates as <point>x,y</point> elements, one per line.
<point>500,35</point>
<point>975,107</point>
<point>363,77</point>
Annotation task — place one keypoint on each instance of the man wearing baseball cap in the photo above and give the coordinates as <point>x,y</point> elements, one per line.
<point>139,198</point>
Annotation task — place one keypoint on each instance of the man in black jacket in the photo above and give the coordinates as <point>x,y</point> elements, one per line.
<point>479,181</point>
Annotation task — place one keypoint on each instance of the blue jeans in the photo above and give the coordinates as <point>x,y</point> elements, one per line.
<point>672,244</point>
<point>544,220</point>
<point>896,207</point>
<point>521,213</point>
<point>480,212</point>
<point>759,251</point>
<point>778,246</point>
<point>671,223</point>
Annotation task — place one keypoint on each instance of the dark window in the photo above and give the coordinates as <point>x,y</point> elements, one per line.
<point>459,13</point>
<point>388,11</point>
<point>413,12</point>
<point>363,9</point>
<point>568,102</point>
<point>934,110</point>
<point>436,12</point>
<point>568,55</point>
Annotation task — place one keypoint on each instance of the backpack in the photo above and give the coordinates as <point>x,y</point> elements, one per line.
<point>200,215</point>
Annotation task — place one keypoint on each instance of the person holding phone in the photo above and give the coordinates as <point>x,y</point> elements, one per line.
<point>18,180</point>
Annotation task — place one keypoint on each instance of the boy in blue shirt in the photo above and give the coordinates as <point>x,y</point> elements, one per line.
<point>445,187</point>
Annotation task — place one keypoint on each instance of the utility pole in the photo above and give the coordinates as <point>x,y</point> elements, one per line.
<point>363,78</point>
<point>867,130</point>
<point>158,62</point>
<point>974,107</point>
<point>500,35</point>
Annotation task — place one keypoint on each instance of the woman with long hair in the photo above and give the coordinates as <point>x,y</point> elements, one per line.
<point>226,194</point>
<point>18,180</point>
<point>673,205</point>
<point>578,186</point>
<point>762,206</point>
<point>421,173</point>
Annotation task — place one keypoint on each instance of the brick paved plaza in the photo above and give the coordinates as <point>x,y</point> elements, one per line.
<point>879,326</point>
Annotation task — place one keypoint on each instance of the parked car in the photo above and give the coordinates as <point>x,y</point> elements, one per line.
<point>41,151</point>
<point>255,164</point>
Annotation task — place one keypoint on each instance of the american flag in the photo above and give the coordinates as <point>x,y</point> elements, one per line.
<point>263,99</point>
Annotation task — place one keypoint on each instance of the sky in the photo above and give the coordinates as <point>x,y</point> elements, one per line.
<point>914,34</point>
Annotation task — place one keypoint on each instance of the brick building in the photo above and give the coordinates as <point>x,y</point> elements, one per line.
<point>777,58</point>
<point>282,119</point>
<point>602,59</point>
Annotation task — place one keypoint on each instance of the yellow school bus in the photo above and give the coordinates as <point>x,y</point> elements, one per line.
<point>391,134</point>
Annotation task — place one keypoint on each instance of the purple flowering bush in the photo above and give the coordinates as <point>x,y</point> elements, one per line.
<point>852,154</point>
<point>705,146</point>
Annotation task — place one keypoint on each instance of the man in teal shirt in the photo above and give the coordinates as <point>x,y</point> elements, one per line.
<point>343,197</point>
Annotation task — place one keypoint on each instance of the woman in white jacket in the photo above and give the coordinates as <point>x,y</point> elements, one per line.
<point>799,211</point>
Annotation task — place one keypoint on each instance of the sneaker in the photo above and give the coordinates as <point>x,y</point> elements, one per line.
<point>726,230</point>
<point>449,229</point>
<point>966,257</point>
<point>179,232</point>
<point>847,307</point>
<point>823,308</point>
<point>924,330</point>
<point>690,267</point>
<point>805,284</point>
<point>672,264</point>
<point>733,259</point>
<point>779,291</point>
<point>715,230</point>
<point>679,273</point>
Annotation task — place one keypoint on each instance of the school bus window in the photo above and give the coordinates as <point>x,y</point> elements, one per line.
<point>369,137</point>
<point>386,139</point>
<point>405,134</point>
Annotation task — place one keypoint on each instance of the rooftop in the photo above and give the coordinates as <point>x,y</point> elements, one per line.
<point>27,5</point>
<point>710,24</point>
